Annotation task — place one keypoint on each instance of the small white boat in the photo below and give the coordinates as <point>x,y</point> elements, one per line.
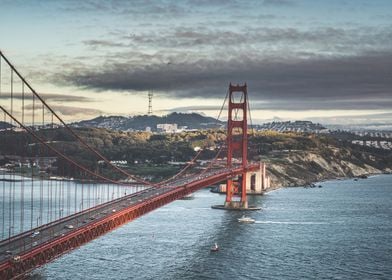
<point>246,220</point>
<point>215,248</point>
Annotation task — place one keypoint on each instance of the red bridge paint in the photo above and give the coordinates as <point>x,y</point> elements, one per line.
<point>53,249</point>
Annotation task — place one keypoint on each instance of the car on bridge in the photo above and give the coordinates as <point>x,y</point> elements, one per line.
<point>34,234</point>
<point>16,259</point>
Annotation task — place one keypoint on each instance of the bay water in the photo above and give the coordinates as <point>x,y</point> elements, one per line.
<point>342,230</point>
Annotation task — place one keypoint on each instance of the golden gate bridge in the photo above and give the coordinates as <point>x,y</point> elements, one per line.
<point>53,202</point>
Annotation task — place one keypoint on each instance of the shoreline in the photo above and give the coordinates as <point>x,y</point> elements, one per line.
<point>360,177</point>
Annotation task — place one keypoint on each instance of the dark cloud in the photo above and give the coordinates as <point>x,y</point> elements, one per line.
<point>319,39</point>
<point>319,82</point>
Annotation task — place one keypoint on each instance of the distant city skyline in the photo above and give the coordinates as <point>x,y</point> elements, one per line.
<point>325,61</point>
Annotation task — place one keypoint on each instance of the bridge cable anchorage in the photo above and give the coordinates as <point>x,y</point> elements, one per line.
<point>82,141</point>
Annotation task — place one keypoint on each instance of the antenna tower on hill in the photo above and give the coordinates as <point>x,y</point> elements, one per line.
<point>150,95</point>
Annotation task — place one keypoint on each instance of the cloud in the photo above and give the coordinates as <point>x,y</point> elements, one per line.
<point>138,8</point>
<point>70,111</point>
<point>301,105</point>
<point>267,16</point>
<point>368,119</point>
<point>47,97</point>
<point>102,43</point>
<point>318,82</point>
<point>278,3</point>
<point>202,40</point>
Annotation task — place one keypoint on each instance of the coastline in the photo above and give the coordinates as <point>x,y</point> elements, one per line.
<point>306,168</point>
<point>316,183</point>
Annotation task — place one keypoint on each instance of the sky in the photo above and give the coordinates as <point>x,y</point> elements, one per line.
<point>326,61</point>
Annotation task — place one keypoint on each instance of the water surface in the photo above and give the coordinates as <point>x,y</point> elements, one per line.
<point>340,231</point>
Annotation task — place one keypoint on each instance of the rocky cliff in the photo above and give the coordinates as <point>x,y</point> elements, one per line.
<point>296,168</point>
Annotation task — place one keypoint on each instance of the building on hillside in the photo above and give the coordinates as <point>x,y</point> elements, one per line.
<point>167,127</point>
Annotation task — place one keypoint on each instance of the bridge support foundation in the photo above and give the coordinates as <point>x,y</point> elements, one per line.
<point>257,182</point>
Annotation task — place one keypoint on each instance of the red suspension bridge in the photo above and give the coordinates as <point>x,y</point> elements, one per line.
<point>46,213</point>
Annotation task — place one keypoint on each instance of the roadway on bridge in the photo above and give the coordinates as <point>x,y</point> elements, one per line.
<point>27,241</point>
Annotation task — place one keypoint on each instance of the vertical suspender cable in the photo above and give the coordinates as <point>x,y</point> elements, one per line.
<point>41,185</point>
<point>12,194</point>
<point>32,169</point>
<point>61,193</point>
<point>22,175</point>
<point>51,181</point>
<point>81,203</point>
<point>108,193</point>
<point>250,117</point>
<point>49,194</point>
<point>55,198</point>
<point>67,200</point>
<point>3,226</point>
<point>9,206</point>
<point>3,152</point>
<point>62,198</point>
<point>59,197</point>
<point>75,192</point>
<point>47,172</point>
<point>88,195</point>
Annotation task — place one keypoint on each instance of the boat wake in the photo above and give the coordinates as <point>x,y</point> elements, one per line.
<point>291,223</point>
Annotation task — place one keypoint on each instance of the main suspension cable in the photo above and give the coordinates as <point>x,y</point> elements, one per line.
<point>82,141</point>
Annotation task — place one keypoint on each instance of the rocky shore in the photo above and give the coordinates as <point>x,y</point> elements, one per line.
<point>299,168</point>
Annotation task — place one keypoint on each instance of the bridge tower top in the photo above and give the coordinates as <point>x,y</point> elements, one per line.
<point>237,124</point>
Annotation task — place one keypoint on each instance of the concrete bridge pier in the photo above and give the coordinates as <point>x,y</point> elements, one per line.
<point>250,183</point>
<point>257,182</point>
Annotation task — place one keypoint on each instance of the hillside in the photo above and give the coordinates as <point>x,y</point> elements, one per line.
<point>299,159</point>
<point>5,125</point>
<point>191,121</point>
<point>293,126</point>
<point>292,158</point>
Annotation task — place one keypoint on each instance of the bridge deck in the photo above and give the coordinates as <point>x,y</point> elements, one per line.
<point>27,251</point>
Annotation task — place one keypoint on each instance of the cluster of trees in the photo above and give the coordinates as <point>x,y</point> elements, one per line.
<point>156,149</point>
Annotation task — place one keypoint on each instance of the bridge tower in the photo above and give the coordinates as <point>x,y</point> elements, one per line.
<point>237,144</point>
